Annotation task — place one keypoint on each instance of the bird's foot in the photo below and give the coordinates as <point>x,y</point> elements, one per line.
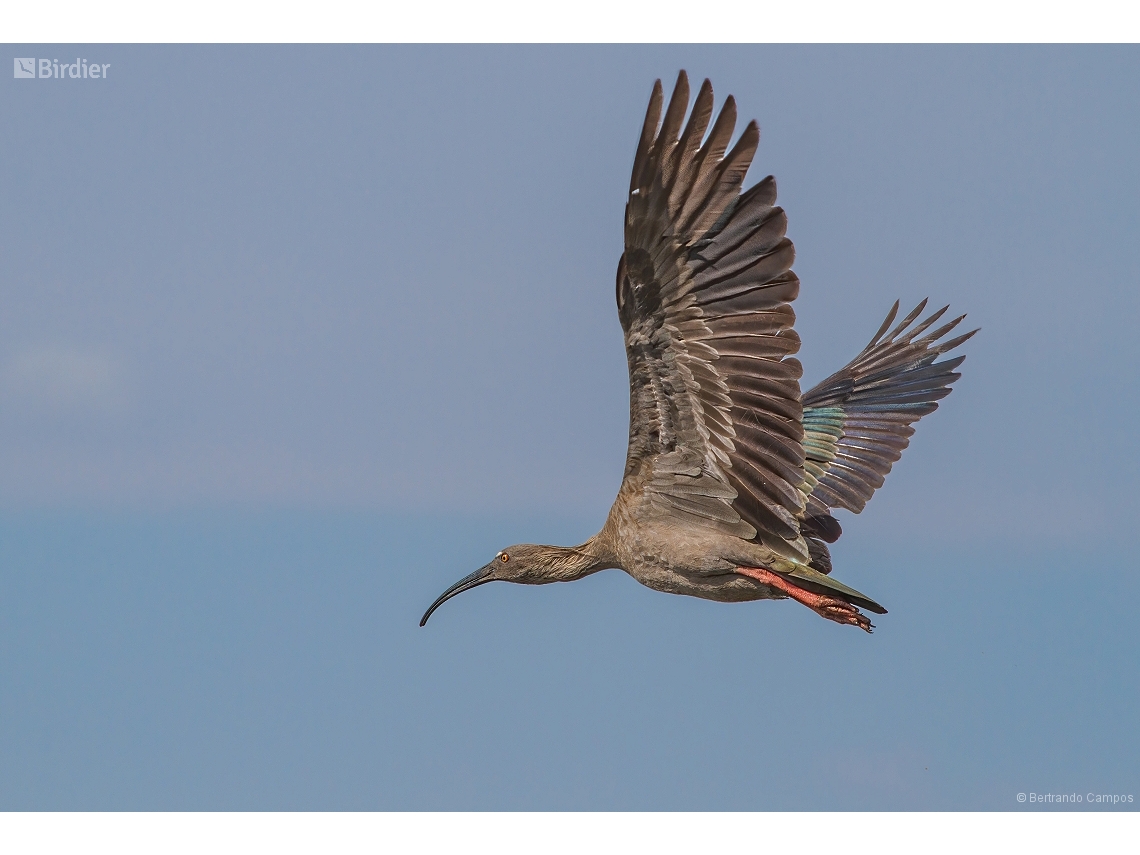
<point>823,605</point>
<point>842,612</point>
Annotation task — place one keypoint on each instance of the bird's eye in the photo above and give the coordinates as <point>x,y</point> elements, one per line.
<point>504,557</point>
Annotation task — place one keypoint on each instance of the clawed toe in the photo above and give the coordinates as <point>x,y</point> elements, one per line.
<point>845,613</point>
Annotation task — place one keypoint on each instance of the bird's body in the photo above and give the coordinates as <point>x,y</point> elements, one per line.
<point>731,474</point>
<point>679,556</point>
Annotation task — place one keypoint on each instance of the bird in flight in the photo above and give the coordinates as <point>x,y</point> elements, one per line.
<point>732,475</point>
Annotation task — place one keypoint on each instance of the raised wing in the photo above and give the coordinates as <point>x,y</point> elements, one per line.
<point>704,291</point>
<point>858,421</point>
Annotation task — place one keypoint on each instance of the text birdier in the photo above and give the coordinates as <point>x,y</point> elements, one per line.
<point>30,67</point>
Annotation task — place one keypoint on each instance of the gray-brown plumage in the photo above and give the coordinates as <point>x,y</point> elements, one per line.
<point>731,474</point>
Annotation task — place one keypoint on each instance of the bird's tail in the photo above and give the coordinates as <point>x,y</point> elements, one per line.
<point>812,580</point>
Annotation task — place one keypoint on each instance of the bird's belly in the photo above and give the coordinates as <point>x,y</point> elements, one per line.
<point>692,560</point>
<point>726,588</point>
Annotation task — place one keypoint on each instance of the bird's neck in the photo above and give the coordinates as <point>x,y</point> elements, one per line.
<point>568,563</point>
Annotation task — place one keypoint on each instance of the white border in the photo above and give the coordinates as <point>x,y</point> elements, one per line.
<point>717,21</point>
<point>573,834</point>
<point>67,21</point>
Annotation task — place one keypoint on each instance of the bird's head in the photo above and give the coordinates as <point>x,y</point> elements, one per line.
<point>525,563</point>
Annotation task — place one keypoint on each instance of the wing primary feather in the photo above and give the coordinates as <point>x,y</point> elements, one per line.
<point>885,325</point>
<point>921,327</point>
<point>905,322</point>
<point>670,127</point>
<point>724,184</point>
<point>641,160</point>
<point>954,342</point>
<point>941,331</point>
<point>708,159</point>
<point>683,161</point>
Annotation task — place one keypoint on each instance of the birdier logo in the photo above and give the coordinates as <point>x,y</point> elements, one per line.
<point>28,66</point>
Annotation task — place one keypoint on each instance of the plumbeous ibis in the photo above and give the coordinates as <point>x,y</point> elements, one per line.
<point>731,474</point>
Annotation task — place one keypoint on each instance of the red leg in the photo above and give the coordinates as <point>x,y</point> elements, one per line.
<point>828,607</point>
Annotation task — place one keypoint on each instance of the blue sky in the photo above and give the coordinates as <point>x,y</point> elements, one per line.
<point>291,338</point>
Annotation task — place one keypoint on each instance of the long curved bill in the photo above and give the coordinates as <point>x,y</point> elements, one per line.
<point>479,577</point>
